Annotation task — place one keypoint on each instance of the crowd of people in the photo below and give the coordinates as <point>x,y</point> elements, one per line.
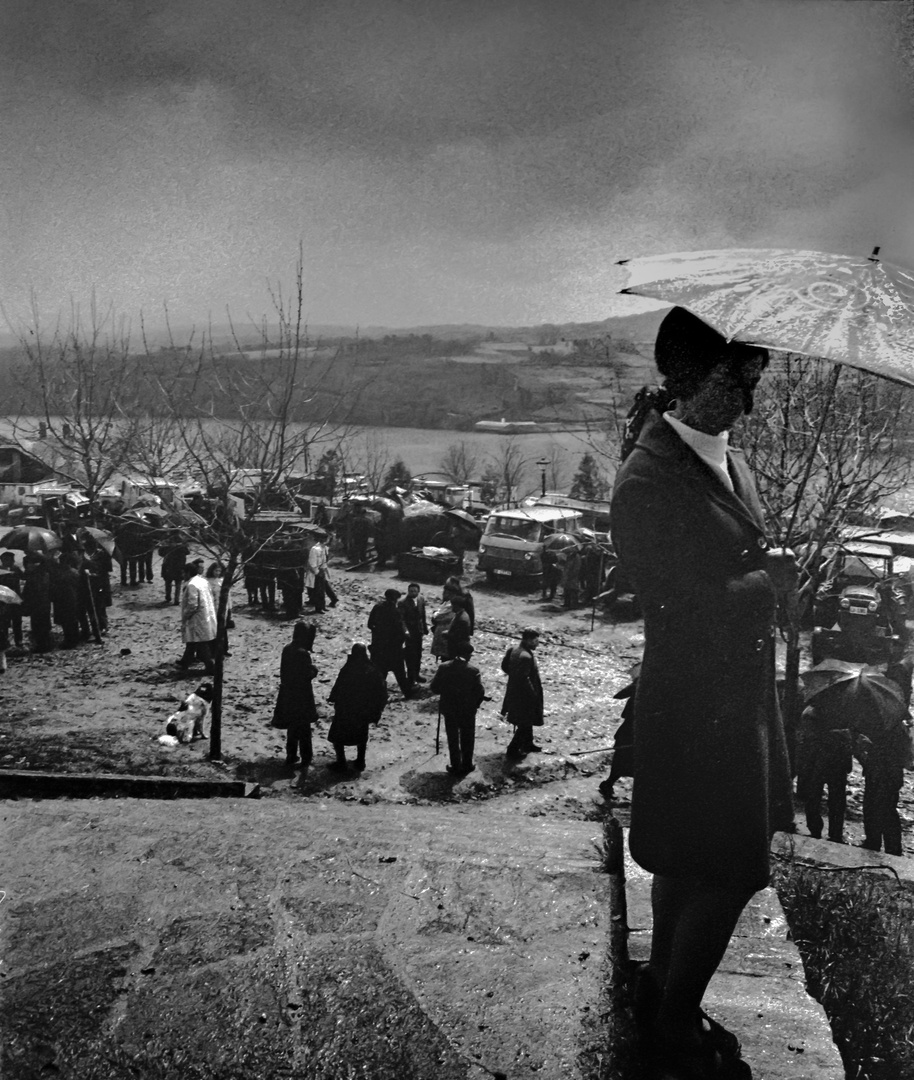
<point>398,624</point>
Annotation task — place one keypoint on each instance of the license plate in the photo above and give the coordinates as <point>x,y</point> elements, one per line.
<point>858,610</point>
<point>504,573</point>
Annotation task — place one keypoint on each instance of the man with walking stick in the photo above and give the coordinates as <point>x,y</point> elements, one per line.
<point>523,702</point>
<point>460,686</point>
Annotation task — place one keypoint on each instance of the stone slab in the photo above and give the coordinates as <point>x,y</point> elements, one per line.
<point>36,784</point>
<point>319,939</point>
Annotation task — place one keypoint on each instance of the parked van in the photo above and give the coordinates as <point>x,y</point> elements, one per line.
<point>512,544</point>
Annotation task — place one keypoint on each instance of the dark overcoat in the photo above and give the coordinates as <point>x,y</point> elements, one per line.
<point>295,707</point>
<point>712,781</point>
<point>358,696</point>
<point>523,701</point>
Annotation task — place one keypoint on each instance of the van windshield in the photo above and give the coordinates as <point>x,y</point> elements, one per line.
<point>514,528</point>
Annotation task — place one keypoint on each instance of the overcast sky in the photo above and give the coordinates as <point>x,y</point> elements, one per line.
<point>439,160</point>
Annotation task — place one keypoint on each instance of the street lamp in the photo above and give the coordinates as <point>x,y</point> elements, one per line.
<point>543,464</point>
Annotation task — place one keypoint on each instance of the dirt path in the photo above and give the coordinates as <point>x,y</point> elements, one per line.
<point>101,708</point>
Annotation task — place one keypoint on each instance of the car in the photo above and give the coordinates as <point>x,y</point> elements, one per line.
<point>860,607</point>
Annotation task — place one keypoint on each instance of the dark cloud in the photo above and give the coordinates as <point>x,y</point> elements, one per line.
<point>457,141</point>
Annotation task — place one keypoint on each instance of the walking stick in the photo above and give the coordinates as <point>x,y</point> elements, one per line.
<point>438,732</point>
<point>93,613</point>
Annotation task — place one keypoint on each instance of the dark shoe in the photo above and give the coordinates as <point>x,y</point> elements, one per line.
<point>671,1061</point>
<point>465,770</point>
<point>333,603</point>
<point>339,766</point>
<point>452,770</point>
<point>182,664</point>
<point>515,752</point>
<point>534,748</point>
<point>358,764</point>
<point>420,678</point>
<point>606,790</point>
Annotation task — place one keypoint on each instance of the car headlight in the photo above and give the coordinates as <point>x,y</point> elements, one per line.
<point>873,605</point>
<point>845,603</point>
<point>528,555</point>
<point>482,549</point>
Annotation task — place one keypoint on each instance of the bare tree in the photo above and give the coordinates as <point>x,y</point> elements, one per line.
<point>79,383</point>
<point>372,459</point>
<point>827,447</point>
<point>233,415</point>
<point>509,463</point>
<point>459,462</point>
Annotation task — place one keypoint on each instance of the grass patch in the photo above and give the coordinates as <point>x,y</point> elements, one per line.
<point>855,933</point>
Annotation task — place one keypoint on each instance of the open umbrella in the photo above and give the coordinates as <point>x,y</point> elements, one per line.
<point>559,542</point>
<point>849,310</point>
<point>146,514</point>
<point>9,596</point>
<point>101,535</point>
<point>855,695</point>
<point>32,538</point>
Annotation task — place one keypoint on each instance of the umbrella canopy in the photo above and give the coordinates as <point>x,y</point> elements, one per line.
<point>850,310</point>
<point>559,542</point>
<point>8,596</point>
<point>462,516</point>
<point>854,695</point>
<point>31,538</point>
<point>101,535</point>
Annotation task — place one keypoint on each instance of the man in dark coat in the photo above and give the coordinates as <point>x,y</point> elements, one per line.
<point>523,701</point>
<point>460,686</point>
<point>65,586</point>
<point>412,608</point>
<point>388,634</point>
<point>711,775</point>
<point>175,554</point>
<point>460,629</point>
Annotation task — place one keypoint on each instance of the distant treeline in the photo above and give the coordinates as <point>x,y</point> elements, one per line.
<point>398,380</point>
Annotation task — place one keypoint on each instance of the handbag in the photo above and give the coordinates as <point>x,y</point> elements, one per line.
<point>278,720</point>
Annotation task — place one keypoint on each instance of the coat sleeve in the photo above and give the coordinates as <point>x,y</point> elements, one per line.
<point>664,549</point>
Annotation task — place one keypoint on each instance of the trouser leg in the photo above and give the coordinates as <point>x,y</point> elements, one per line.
<point>16,625</point>
<point>813,807</point>
<point>399,671</point>
<point>360,754</point>
<point>837,804</point>
<point>340,752</point>
<point>467,741</point>
<point>412,656</point>
<point>452,732</point>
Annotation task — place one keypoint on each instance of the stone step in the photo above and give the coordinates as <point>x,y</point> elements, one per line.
<point>759,990</point>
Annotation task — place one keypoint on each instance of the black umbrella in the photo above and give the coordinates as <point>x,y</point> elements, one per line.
<point>31,538</point>
<point>862,699</point>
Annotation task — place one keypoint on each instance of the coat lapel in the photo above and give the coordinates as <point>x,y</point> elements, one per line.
<point>659,438</point>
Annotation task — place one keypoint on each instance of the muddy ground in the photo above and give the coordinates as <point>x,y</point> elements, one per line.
<point>101,708</point>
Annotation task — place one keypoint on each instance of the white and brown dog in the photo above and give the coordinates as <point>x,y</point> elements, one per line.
<point>187,722</point>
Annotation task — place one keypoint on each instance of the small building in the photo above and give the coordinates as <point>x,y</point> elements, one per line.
<point>21,472</point>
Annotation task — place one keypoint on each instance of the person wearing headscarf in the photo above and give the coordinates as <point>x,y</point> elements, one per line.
<point>711,774</point>
<point>295,709</point>
<point>358,697</point>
